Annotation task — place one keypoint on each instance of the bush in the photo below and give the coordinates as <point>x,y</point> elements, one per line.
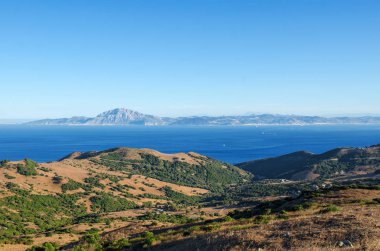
<point>105,203</point>
<point>94,181</point>
<point>180,197</point>
<point>298,208</point>
<point>71,185</point>
<point>57,179</point>
<point>262,219</point>
<point>117,245</point>
<point>46,170</point>
<point>3,163</point>
<point>330,208</point>
<point>10,177</point>
<point>149,238</point>
<point>47,246</point>
<point>283,215</point>
<point>29,169</point>
<point>11,186</point>
<point>228,218</point>
<point>210,227</point>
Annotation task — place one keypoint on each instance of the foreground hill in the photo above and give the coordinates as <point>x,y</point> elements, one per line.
<point>344,217</point>
<point>134,199</point>
<point>60,201</point>
<point>122,116</point>
<point>341,162</point>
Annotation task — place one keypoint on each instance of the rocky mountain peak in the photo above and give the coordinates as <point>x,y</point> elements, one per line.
<point>122,116</point>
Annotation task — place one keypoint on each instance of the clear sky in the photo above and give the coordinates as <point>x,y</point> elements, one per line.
<point>189,57</point>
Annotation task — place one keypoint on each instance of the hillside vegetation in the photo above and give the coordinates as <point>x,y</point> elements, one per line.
<point>190,170</point>
<point>344,217</point>
<point>138,199</point>
<point>105,190</point>
<point>305,165</point>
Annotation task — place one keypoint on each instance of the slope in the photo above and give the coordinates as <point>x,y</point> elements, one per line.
<point>303,165</point>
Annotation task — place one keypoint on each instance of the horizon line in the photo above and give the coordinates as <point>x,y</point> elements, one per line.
<point>350,115</point>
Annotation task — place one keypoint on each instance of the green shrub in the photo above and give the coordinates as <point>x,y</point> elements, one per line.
<point>47,246</point>
<point>262,219</point>
<point>57,179</point>
<point>9,177</point>
<point>330,208</point>
<point>104,203</point>
<point>46,170</point>
<point>3,163</point>
<point>11,186</point>
<point>149,238</point>
<point>94,181</point>
<point>210,227</point>
<point>25,240</point>
<point>29,169</point>
<point>298,207</point>
<point>72,185</point>
<point>117,245</point>
<point>283,215</point>
<point>180,197</point>
<point>228,218</point>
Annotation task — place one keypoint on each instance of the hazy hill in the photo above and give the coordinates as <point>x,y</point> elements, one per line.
<point>304,165</point>
<point>118,116</point>
<point>122,116</point>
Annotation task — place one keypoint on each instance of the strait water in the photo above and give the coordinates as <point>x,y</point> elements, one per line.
<point>231,144</point>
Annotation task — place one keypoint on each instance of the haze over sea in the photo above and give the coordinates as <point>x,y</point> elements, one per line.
<point>231,144</point>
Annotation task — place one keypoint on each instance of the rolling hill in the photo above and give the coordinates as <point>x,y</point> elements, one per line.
<point>138,199</point>
<point>305,165</point>
<point>60,201</point>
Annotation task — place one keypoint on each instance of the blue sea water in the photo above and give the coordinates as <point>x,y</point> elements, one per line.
<point>231,144</point>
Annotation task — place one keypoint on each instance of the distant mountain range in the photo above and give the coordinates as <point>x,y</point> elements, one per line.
<point>122,116</point>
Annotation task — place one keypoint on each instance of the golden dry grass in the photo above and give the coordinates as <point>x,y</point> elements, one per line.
<point>304,230</point>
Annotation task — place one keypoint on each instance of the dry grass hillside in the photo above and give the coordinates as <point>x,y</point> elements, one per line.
<point>60,201</point>
<point>335,219</point>
<point>308,166</point>
<point>140,199</point>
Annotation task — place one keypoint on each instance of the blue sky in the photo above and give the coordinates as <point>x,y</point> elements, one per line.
<point>189,57</point>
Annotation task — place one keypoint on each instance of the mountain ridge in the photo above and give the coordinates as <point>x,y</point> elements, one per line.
<point>123,116</point>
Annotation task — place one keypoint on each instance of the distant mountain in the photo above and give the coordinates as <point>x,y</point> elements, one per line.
<point>63,121</point>
<point>118,116</point>
<point>340,162</point>
<point>122,116</point>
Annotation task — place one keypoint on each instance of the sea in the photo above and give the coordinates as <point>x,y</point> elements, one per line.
<point>233,144</point>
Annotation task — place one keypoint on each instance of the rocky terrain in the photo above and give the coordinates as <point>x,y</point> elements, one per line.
<point>122,116</point>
